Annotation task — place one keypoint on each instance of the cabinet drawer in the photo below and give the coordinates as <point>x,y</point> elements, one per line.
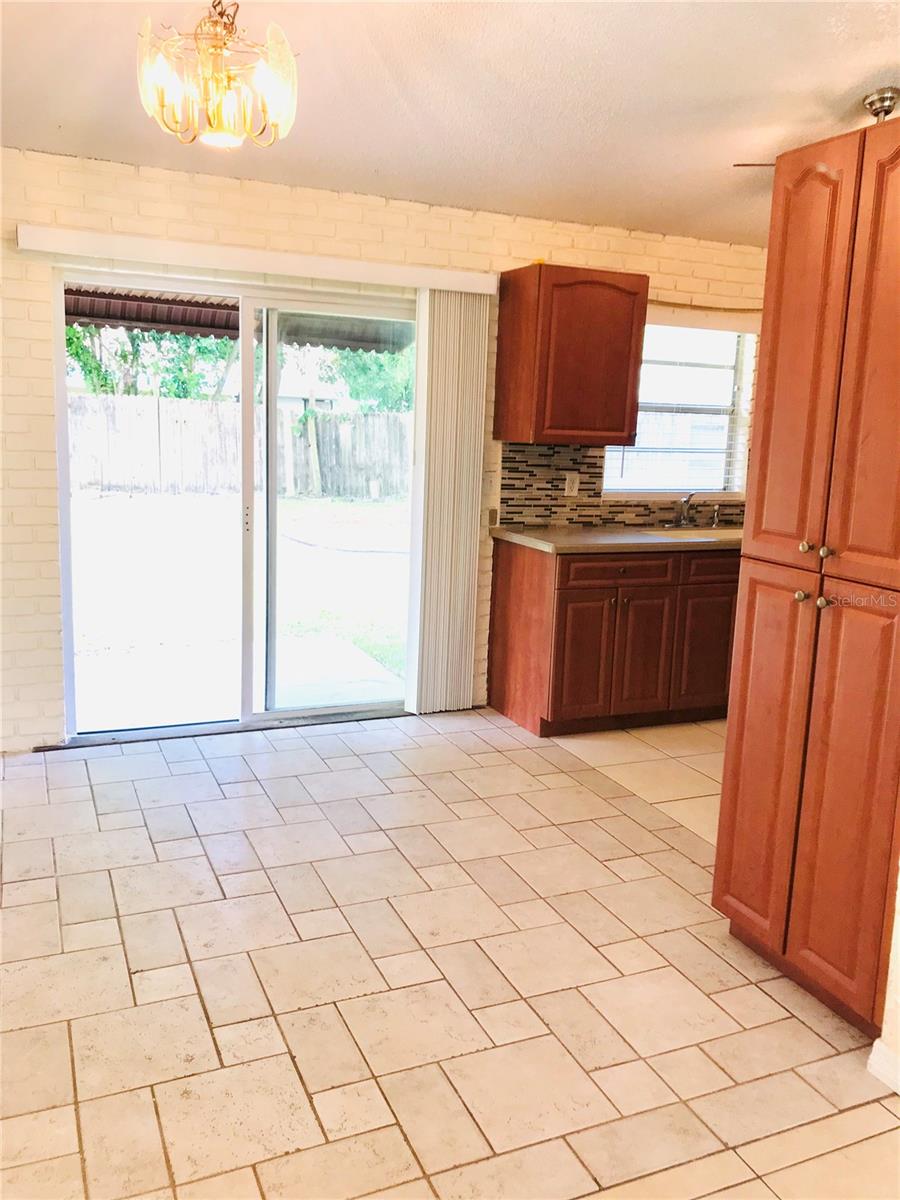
<point>589,570</point>
<point>710,566</point>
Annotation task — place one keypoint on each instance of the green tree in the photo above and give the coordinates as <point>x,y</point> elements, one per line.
<point>130,361</point>
<point>383,381</point>
<point>83,348</point>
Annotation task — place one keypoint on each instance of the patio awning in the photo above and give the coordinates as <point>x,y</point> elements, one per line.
<point>219,318</point>
<point>168,314</point>
<point>341,332</point>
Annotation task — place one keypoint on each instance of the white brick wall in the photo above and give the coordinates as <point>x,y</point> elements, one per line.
<point>114,197</point>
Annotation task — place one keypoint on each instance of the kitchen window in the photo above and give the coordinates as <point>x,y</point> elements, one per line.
<point>693,414</point>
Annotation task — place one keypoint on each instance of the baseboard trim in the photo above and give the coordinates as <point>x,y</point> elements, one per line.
<point>884,1064</point>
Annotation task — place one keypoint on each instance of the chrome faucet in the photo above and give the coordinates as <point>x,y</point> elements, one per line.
<point>684,517</point>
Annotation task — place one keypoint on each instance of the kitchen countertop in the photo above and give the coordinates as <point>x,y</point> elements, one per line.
<point>578,539</point>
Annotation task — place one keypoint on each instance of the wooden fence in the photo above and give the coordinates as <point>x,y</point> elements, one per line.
<point>144,444</point>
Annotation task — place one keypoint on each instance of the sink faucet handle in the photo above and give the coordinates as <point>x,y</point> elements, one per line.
<point>684,510</point>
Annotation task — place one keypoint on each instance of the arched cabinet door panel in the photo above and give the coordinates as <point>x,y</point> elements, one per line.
<point>569,346</point>
<point>807,280</point>
<point>864,507</point>
<point>590,337</point>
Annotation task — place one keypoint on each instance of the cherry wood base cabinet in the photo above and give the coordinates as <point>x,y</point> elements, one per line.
<point>848,802</point>
<point>808,833</point>
<point>811,779</point>
<point>569,346</point>
<point>774,644</point>
<point>594,641</point>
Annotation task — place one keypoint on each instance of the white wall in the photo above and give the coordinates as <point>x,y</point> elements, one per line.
<point>884,1061</point>
<point>111,197</point>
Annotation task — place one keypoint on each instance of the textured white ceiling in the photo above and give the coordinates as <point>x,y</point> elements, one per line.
<point>626,114</point>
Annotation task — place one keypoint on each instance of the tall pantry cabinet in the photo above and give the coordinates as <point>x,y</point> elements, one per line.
<point>808,835</point>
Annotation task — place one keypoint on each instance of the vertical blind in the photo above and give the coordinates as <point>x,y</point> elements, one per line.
<point>453,370</point>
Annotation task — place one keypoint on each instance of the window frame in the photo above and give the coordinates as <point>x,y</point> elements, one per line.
<point>741,322</point>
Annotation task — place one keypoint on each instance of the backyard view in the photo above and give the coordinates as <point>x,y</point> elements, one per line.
<point>343,444</point>
<point>155,468</point>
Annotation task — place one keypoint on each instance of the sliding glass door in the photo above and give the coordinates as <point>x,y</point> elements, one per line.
<point>239,516</point>
<point>154,468</point>
<point>340,426</point>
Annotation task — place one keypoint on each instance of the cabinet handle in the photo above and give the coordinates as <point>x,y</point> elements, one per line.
<point>805,547</point>
<point>801,596</point>
<point>626,599</point>
<point>824,602</point>
<point>613,602</point>
<point>621,570</point>
<point>825,552</point>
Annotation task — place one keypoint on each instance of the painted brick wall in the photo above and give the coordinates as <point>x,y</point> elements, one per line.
<point>114,197</point>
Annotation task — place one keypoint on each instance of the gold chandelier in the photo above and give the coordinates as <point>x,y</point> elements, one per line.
<point>215,85</point>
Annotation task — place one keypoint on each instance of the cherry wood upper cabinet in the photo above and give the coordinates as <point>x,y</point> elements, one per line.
<point>863,526</point>
<point>849,795</point>
<point>704,627</point>
<point>767,711</point>
<point>642,665</point>
<point>807,279</point>
<point>583,653</point>
<point>569,348</point>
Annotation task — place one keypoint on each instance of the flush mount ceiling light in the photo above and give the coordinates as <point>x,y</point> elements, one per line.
<point>215,85</point>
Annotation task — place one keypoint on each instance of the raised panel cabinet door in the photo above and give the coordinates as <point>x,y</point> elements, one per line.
<point>863,528</point>
<point>807,278</point>
<point>704,628</point>
<point>771,669</point>
<point>582,653</point>
<point>590,341</point>
<point>849,799</point>
<point>642,667</point>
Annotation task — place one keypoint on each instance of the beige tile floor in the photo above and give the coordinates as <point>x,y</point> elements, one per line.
<point>411,958</point>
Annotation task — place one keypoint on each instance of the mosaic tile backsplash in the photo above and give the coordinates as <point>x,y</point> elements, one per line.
<point>532,492</point>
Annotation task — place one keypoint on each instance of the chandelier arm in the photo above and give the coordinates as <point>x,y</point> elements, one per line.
<point>257,138</point>
<point>264,124</point>
<point>173,126</point>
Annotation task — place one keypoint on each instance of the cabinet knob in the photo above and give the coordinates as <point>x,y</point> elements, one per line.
<point>825,552</point>
<point>613,602</point>
<point>824,602</point>
<point>621,570</point>
<point>805,547</point>
<point>801,596</point>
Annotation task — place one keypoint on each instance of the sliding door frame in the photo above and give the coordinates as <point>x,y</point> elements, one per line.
<point>272,303</point>
<point>257,652</point>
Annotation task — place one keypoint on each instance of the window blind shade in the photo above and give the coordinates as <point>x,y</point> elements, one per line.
<point>694,410</point>
<point>453,343</point>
